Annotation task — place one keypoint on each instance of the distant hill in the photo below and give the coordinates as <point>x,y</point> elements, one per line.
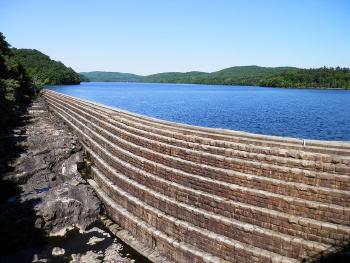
<point>111,76</point>
<point>243,75</point>
<point>44,70</point>
<point>176,77</point>
<point>233,75</point>
<point>246,75</point>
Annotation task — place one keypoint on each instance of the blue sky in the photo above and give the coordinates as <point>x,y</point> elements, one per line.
<point>181,35</point>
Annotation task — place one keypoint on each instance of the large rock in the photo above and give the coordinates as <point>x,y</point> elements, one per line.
<point>71,165</point>
<point>42,190</point>
<point>69,205</point>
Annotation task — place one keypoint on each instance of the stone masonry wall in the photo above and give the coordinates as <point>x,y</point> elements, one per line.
<point>208,195</point>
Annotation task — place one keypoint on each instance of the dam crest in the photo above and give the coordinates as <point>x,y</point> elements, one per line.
<point>194,194</point>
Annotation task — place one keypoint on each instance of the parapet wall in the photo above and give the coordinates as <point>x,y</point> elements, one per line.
<point>209,195</point>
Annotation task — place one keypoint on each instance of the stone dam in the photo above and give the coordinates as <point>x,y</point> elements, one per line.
<point>194,194</point>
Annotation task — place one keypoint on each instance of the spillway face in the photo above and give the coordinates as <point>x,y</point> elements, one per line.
<point>207,195</point>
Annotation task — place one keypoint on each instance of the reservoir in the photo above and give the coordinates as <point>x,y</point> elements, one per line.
<point>299,113</point>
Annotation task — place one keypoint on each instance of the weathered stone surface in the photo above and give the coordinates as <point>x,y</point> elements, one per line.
<point>71,165</point>
<point>49,194</point>
<point>66,205</point>
<point>50,167</point>
<point>112,254</point>
<point>195,194</point>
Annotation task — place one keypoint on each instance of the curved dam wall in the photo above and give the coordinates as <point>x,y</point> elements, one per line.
<point>208,195</point>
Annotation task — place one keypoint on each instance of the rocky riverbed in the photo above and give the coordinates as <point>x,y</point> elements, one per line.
<point>48,211</point>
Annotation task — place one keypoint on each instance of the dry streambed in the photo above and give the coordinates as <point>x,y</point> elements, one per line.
<point>48,211</point>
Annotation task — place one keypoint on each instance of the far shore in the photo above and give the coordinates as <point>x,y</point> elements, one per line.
<point>210,84</point>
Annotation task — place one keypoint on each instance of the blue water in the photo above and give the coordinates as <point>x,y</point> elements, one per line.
<point>301,113</point>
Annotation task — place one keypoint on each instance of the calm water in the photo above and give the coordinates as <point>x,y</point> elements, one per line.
<point>302,113</point>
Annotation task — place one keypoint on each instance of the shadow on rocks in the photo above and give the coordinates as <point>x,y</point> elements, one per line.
<point>17,219</point>
<point>41,190</point>
<point>341,256</point>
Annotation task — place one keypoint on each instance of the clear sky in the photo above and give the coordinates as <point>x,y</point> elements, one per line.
<point>153,36</point>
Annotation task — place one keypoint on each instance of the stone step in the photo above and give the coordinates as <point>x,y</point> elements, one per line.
<point>290,161</point>
<point>225,135</point>
<point>297,175</point>
<point>267,140</point>
<point>304,227</point>
<point>264,154</point>
<point>254,197</point>
<point>107,143</point>
<point>297,190</point>
<point>136,174</point>
<point>182,230</point>
<point>151,236</point>
<point>259,237</point>
<point>304,191</point>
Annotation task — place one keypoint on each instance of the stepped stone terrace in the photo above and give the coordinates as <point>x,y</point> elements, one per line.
<point>193,194</point>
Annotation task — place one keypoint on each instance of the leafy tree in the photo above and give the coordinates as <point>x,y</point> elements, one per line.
<point>43,70</point>
<point>15,84</point>
<point>16,87</point>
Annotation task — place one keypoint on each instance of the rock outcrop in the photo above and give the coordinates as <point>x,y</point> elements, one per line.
<point>52,195</point>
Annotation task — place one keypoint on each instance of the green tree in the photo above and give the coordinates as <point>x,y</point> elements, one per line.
<point>15,85</point>
<point>43,70</point>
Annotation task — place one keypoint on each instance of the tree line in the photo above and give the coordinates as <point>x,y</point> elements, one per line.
<point>16,86</point>
<point>43,70</point>
<point>332,78</point>
<point>289,77</point>
<point>23,72</point>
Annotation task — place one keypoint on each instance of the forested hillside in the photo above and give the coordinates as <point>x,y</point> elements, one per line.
<point>22,73</point>
<point>176,77</point>
<point>333,78</point>
<point>44,70</point>
<point>245,75</point>
<point>16,87</point>
<point>111,76</point>
<point>15,84</point>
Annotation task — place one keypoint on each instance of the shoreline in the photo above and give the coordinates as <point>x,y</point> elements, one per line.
<point>210,84</point>
<point>272,112</point>
<point>210,129</point>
